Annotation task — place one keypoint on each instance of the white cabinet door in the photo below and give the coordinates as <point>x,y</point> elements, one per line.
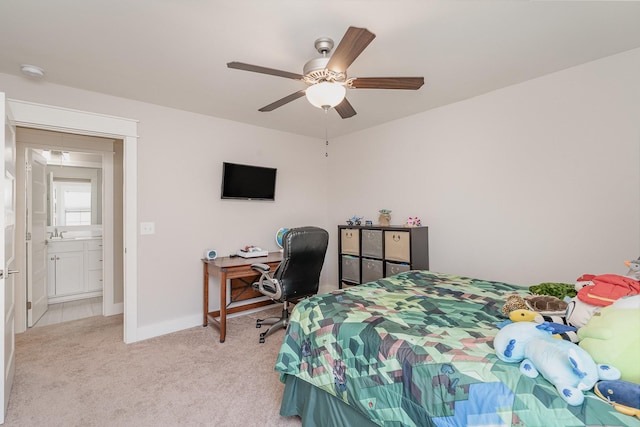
<point>51,275</point>
<point>69,273</point>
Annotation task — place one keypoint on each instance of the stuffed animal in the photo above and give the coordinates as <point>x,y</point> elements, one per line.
<point>579,312</point>
<point>559,330</point>
<point>611,336</point>
<point>521,315</point>
<point>622,395</point>
<point>514,302</point>
<point>565,365</point>
<point>543,304</point>
<point>634,269</point>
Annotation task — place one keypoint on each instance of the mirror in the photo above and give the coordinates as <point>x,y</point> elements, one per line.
<point>75,196</point>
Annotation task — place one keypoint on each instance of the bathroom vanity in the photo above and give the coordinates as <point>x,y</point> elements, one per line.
<point>74,268</point>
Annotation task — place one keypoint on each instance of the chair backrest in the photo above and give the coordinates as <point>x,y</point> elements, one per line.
<point>304,249</point>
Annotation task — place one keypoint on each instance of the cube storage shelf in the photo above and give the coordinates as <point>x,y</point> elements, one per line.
<point>368,253</point>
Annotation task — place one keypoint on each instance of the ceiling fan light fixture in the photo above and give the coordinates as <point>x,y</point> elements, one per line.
<point>326,95</point>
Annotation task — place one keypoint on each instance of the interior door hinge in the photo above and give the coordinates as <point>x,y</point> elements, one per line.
<point>28,236</point>
<point>28,305</point>
<point>28,167</point>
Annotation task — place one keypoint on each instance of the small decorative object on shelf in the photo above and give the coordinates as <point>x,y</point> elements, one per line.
<point>413,221</point>
<point>384,220</point>
<point>355,220</point>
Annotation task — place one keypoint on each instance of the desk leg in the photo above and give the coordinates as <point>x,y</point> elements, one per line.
<point>223,306</point>
<point>205,314</point>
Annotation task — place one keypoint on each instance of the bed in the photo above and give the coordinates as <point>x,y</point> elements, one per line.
<point>416,349</point>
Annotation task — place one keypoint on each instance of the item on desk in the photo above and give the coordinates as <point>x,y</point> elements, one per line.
<point>280,235</point>
<point>252,252</point>
<point>210,254</point>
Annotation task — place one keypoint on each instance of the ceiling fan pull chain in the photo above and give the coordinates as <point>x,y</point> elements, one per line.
<point>326,138</point>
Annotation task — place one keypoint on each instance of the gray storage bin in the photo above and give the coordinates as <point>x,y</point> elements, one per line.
<point>351,269</point>
<point>395,268</point>
<point>372,243</point>
<point>371,270</point>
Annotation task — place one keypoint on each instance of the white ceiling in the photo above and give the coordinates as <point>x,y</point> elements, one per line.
<point>174,52</point>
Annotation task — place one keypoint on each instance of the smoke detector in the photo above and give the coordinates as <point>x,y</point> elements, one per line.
<point>32,71</point>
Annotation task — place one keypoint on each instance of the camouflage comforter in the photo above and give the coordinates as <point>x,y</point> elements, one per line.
<point>416,350</point>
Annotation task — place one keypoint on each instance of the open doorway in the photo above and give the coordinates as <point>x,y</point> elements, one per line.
<point>39,116</point>
<point>71,191</point>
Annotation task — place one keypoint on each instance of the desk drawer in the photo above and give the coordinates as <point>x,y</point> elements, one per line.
<point>397,246</point>
<point>350,239</point>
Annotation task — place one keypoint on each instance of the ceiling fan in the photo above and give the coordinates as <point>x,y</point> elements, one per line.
<point>326,76</point>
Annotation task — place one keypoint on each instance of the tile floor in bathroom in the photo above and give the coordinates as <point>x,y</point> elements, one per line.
<point>71,310</point>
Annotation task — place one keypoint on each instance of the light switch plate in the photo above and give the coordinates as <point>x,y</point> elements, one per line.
<point>147,228</point>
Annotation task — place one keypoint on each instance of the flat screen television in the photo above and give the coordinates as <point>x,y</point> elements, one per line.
<point>248,182</point>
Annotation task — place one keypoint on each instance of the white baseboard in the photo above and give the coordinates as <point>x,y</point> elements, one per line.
<point>175,325</point>
<point>113,309</point>
<point>169,326</point>
<point>74,297</point>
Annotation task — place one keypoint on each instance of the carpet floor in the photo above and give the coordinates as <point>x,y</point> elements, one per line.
<point>80,373</point>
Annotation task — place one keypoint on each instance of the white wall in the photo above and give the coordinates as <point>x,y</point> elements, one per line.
<point>536,182</point>
<point>180,157</point>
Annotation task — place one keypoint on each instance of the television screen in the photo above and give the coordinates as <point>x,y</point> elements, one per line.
<point>248,182</point>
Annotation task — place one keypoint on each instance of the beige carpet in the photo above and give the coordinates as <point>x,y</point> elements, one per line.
<point>80,373</point>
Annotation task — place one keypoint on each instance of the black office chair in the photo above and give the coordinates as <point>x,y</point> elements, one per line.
<point>297,276</point>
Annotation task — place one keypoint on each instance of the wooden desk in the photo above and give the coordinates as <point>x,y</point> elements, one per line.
<point>232,268</point>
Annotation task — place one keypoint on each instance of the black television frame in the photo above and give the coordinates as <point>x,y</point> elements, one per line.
<point>236,183</point>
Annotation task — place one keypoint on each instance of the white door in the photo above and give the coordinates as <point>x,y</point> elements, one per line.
<point>7,253</point>
<point>37,298</point>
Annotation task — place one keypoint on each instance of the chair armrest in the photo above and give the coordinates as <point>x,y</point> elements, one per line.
<point>262,268</point>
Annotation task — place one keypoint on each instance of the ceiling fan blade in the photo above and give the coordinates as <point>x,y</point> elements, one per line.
<point>281,102</point>
<point>354,41</point>
<point>345,109</point>
<point>263,70</point>
<point>412,83</point>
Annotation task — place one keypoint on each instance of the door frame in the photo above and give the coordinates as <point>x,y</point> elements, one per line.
<point>40,116</point>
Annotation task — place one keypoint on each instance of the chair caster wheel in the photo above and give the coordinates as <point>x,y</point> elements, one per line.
<point>261,340</point>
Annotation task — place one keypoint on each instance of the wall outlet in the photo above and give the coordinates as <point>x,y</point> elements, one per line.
<point>147,228</point>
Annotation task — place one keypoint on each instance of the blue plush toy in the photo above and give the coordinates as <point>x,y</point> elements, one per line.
<point>565,365</point>
<point>624,396</point>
